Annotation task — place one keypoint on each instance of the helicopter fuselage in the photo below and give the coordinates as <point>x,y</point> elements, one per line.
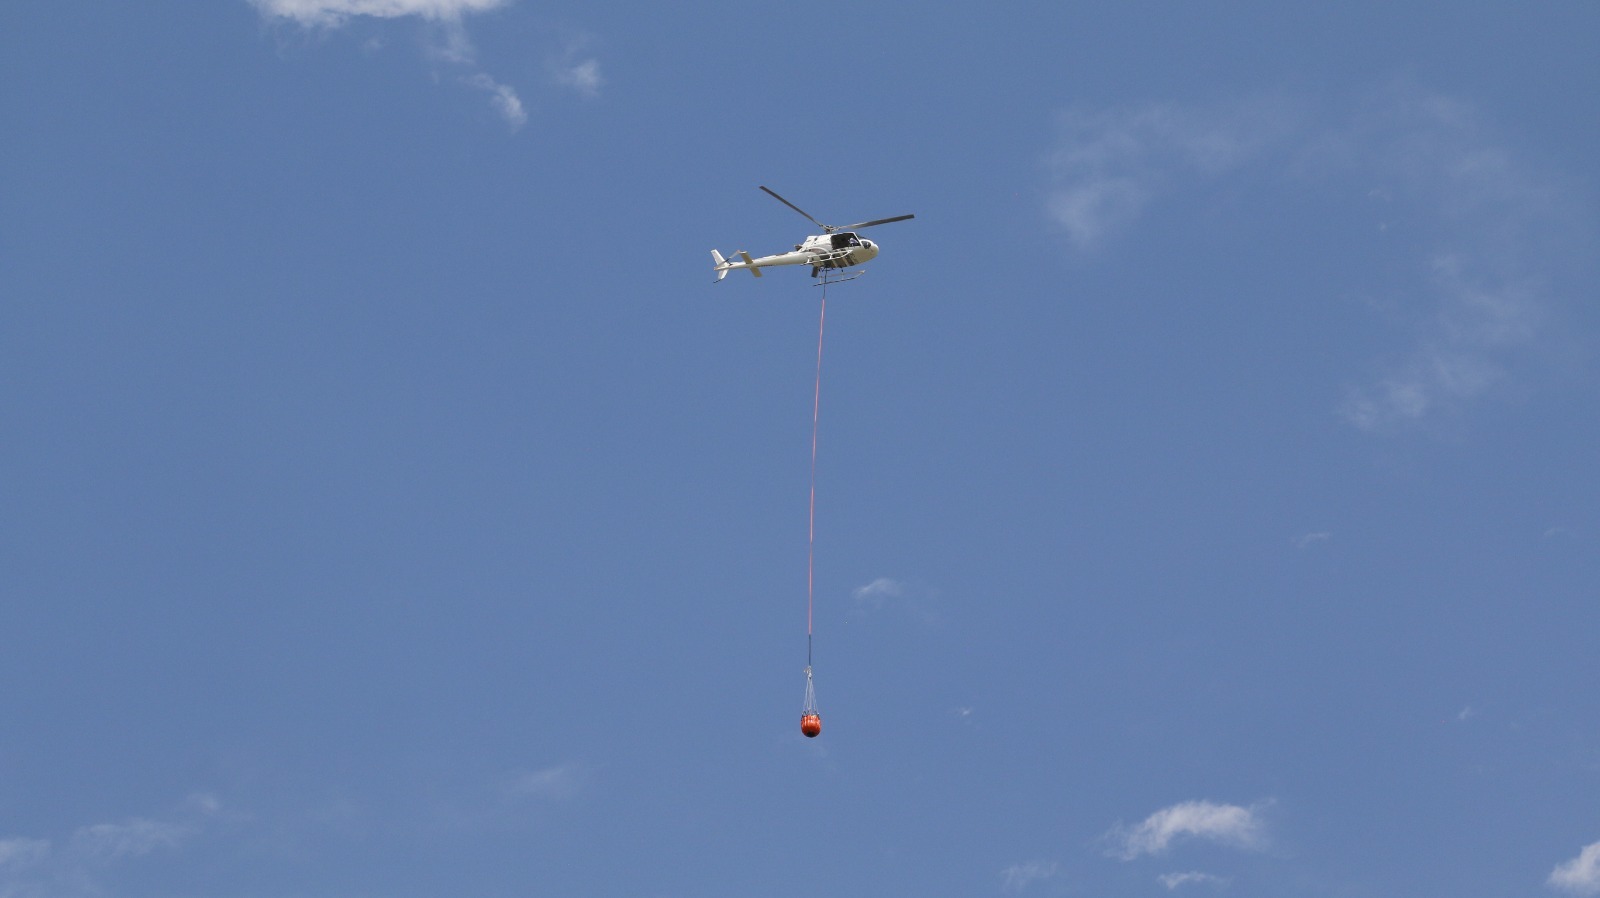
<point>838,247</point>
<point>838,250</point>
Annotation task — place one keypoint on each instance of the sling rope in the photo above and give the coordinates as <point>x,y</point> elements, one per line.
<point>811,551</point>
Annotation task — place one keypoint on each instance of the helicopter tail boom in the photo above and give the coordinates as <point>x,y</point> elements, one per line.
<point>722,266</point>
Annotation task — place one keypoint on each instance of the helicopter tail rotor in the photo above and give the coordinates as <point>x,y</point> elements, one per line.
<point>722,266</point>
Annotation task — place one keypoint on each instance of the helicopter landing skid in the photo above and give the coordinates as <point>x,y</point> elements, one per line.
<point>826,276</point>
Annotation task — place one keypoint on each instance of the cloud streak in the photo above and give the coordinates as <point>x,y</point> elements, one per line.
<point>877,592</point>
<point>1486,237</point>
<point>1309,539</point>
<point>503,98</point>
<point>74,865</point>
<point>1178,880</point>
<point>333,13</point>
<point>448,44</point>
<point>560,781</point>
<point>1484,286</point>
<point>583,77</point>
<point>131,838</point>
<point>21,852</point>
<point>1223,824</point>
<point>1017,877</point>
<point>1108,167</point>
<point>1579,876</point>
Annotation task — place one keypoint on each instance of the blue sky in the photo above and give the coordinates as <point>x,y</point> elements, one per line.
<point>391,505</point>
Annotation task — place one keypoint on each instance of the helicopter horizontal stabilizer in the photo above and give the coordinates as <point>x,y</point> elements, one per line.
<point>750,263</point>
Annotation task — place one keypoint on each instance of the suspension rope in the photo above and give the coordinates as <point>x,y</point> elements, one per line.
<point>811,551</point>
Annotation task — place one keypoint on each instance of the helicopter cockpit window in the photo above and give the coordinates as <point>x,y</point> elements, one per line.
<point>845,241</point>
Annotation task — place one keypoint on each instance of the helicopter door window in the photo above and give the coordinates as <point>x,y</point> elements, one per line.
<point>845,241</point>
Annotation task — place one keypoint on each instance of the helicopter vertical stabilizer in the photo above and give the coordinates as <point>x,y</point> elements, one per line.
<point>721,265</point>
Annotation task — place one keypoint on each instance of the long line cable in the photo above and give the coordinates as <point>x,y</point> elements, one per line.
<point>811,552</point>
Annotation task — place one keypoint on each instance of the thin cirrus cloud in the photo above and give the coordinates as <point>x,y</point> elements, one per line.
<point>502,98</point>
<point>1018,877</point>
<point>1580,875</point>
<point>332,13</point>
<point>1223,824</point>
<point>559,781</point>
<point>74,866</point>
<point>885,594</point>
<point>583,77</point>
<point>1491,277</point>
<point>1309,539</point>
<point>1488,256</point>
<point>21,852</point>
<point>1177,880</point>
<point>1108,167</point>
<point>448,42</point>
<point>131,838</point>
<point>877,592</point>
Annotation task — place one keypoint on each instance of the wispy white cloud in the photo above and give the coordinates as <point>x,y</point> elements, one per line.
<point>583,77</point>
<point>447,43</point>
<point>1109,166</point>
<point>877,592</point>
<point>574,67</point>
<point>1177,880</point>
<point>1495,229</point>
<point>1017,877</point>
<point>1486,289</point>
<point>504,98</point>
<point>20,852</point>
<point>1581,875</point>
<point>1091,208</point>
<point>1224,824</point>
<point>332,13</point>
<point>1499,251</point>
<point>898,597</point>
<point>1308,539</point>
<point>74,866</point>
<point>131,838</point>
<point>559,781</point>
<point>203,803</point>
<point>1480,320</point>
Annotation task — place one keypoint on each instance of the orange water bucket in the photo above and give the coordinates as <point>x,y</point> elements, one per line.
<point>811,724</point>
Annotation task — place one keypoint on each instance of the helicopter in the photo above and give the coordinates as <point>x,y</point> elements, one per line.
<point>835,248</point>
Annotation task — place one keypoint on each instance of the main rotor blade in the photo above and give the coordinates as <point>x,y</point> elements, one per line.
<point>798,209</point>
<point>879,221</point>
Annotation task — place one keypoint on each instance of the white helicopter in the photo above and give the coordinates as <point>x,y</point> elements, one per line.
<point>835,248</point>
